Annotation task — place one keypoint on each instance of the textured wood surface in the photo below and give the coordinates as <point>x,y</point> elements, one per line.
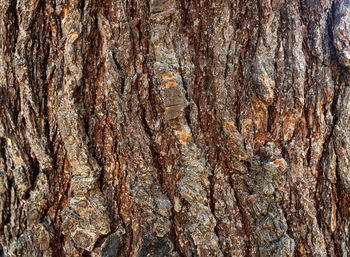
<point>174,128</point>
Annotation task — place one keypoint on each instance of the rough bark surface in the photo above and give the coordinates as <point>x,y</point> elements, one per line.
<point>174,128</point>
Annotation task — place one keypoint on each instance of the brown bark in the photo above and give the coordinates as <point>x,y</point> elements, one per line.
<point>174,128</point>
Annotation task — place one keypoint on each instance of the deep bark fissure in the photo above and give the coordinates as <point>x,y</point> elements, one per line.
<point>244,221</point>
<point>13,20</point>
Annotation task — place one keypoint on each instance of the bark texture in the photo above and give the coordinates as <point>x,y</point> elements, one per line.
<point>174,128</point>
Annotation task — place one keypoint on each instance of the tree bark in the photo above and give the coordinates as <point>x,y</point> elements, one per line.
<point>174,128</point>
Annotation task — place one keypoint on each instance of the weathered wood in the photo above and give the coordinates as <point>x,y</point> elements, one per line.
<point>174,128</point>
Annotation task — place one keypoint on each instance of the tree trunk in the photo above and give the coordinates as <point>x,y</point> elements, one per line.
<point>175,128</point>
